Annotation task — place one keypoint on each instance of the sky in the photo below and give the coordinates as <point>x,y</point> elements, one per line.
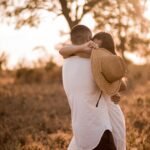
<point>19,44</point>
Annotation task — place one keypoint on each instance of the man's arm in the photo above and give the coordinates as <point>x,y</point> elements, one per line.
<point>70,50</point>
<point>83,50</point>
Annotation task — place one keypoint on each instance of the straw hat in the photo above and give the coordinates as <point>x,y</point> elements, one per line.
<point>108,70</point>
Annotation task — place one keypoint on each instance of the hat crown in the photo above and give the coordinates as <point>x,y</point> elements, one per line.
<point>113,68</point>
<point>107,69</point>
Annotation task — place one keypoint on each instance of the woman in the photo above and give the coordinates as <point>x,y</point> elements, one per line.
<point>105,40</point>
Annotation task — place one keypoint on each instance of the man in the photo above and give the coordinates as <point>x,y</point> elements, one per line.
<point>92,127</point>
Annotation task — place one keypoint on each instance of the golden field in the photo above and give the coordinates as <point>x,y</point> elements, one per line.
<point>35,115</point>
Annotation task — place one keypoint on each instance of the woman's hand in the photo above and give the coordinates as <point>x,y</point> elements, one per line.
<point>116,98</point>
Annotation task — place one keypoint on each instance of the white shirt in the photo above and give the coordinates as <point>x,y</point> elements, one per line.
<point>88,121</point>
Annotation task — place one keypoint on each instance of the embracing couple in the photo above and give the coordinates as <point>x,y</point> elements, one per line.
<point>92,79</point>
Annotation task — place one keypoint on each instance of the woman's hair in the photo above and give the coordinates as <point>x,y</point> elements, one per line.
<point>107,41</point>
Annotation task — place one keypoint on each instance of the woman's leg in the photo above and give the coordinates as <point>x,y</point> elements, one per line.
<point>118,125</point>
<point>106,142</point>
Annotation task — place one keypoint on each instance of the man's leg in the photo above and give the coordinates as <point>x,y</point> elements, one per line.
<point>106,142</point>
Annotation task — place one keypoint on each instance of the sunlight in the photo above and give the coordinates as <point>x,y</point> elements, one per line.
<point>147,12</point>
<point>19,44</point>
<point>136,59</point>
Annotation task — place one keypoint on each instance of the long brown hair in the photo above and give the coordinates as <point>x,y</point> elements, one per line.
<point>107,41</point>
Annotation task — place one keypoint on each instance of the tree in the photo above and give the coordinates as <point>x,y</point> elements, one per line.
<point>28,12</point>
<point>125,20</point>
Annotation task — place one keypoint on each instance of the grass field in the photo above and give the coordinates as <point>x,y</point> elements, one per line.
<point>36,115</point>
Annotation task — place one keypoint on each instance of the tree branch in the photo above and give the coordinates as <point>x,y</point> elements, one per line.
<point>66,12</point>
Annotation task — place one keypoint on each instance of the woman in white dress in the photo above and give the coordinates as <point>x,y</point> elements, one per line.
<point>97,124</point>
<point>105,40</point>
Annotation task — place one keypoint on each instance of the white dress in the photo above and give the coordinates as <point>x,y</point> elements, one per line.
<point>88,121</point>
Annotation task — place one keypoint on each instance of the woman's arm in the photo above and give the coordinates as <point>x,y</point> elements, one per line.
<point>83,50</point>
<point>123,86</point>
<point>116,98</point>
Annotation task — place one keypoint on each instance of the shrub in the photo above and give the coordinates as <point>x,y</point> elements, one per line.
<point>28,75</point>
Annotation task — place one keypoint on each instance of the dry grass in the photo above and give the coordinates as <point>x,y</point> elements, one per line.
<point>36,115</point>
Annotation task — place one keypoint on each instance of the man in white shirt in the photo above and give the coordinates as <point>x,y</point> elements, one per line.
<point>93,127</point>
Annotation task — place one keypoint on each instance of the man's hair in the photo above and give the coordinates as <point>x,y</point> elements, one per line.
<point>80,34</point>
<point>107,41</point>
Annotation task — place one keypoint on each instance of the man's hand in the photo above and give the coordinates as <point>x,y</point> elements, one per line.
<point>83,50</point>
<point>92,45</point>
<point>116,98</point>
<point>86,49</point>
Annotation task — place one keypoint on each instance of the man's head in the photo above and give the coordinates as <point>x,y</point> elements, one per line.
<point>105,40</point>
<point>80,34</point>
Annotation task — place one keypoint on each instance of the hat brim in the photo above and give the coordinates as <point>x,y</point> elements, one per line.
<point>102,83</point>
